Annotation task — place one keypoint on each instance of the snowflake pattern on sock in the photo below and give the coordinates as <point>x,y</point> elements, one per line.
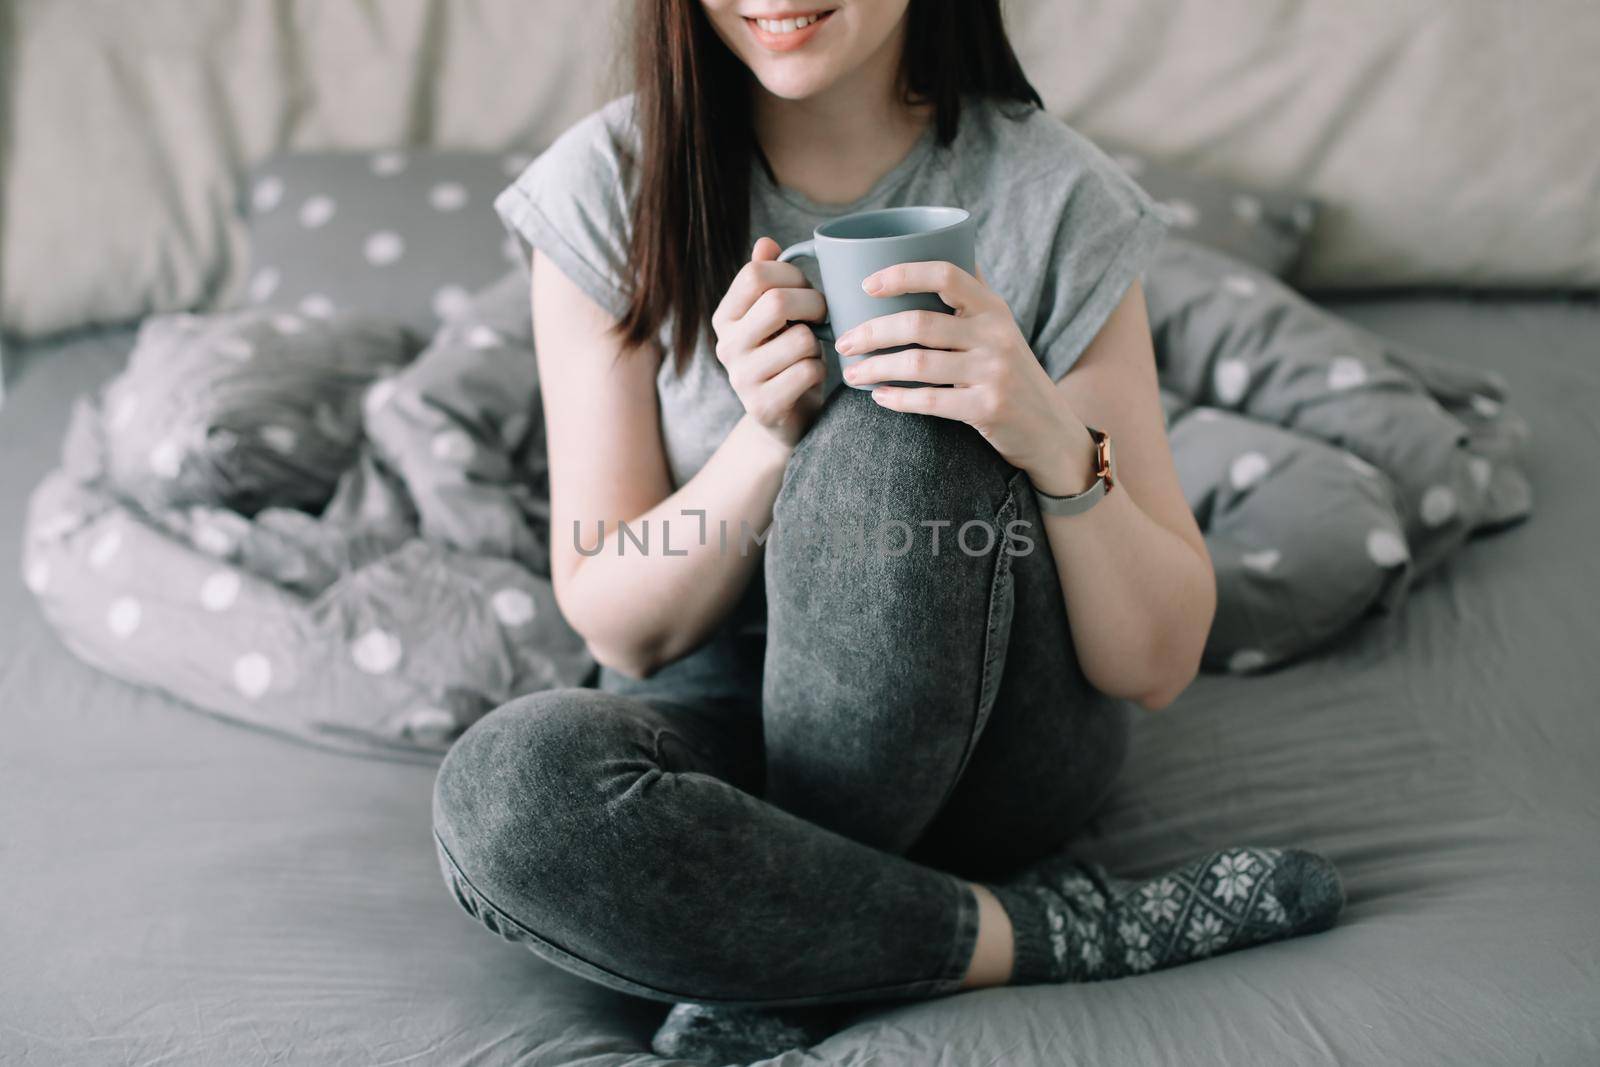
<point>1100,927</point>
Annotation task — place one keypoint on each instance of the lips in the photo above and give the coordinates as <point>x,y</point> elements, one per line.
<point>788,32</point>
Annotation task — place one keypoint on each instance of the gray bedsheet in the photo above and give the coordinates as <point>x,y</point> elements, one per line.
<point>176,890</point>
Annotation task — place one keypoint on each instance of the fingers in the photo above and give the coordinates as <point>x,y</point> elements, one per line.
<point>753,279</point>
<point>925,329</point>
<point>775,309</point>
<point>962,404</point>
<point>777,397</point>
<point>768,360</point>
<point>915,365</point>
<point>955,286</point>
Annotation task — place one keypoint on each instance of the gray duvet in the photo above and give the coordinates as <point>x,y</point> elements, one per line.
<point>180,891</point>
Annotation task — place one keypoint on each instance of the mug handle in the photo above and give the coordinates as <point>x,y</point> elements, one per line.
<point>822,329</point>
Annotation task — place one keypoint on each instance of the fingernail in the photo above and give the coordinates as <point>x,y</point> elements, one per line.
<point>844,345</point>
<point>871,284</point>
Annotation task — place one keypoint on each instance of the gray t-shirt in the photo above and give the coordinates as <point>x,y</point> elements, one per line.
<point>1062,234</point>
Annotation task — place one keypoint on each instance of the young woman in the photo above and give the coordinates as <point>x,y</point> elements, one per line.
<point>841,768</point>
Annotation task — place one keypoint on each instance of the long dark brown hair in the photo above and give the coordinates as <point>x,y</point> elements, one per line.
<point>693,107</point>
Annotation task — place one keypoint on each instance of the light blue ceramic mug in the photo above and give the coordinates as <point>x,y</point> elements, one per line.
<point>850,248</point>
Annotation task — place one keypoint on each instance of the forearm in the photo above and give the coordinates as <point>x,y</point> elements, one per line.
<point>640,608</point>
<point>1139,598</point>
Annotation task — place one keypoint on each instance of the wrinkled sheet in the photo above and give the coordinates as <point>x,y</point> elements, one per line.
<point>180,891</point>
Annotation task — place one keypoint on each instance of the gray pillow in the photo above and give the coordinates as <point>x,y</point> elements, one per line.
<point>404,236</point>
<point>408,236</point>
<point>1266,229</point>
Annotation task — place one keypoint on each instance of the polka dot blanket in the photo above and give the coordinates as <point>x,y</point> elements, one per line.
<point>284,519</point>
<point>287,520</point>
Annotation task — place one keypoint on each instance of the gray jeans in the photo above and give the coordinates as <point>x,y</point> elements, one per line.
<point>786,818</point>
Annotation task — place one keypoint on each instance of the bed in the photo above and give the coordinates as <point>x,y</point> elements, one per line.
<point>178,889</point>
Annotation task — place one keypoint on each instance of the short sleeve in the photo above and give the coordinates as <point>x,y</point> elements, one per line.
<point>572,204</point>
<point>1106,233</point>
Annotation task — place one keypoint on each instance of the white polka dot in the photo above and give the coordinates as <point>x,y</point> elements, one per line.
<point>105,549</point>
<point>1386,547</point>
<point>430,724</point>
<point>1359,465</point>
<point>317,212</point>
<point>123,409</point>
<point>209,537</point>
<point>1247,209</point>
<point>252,674</point>
<point>236,348</point>
<point>280,439</point>
<point>453,446</point>
<point>451,301</point>
<point>1132,164</point>
<point>513,607</point>
<point>1264,561</point>
<point>388,164</point>
<point>1241,285</point>
<point>1231,379</point>
<point>1438,505</point>
<point>264,284</point>
<point>1181,213</point>
<point>124,616</point>
<point>376,652</point>
<point>166,459</point>
<point>1481,471</point>
<point>1487,406</point>
<point>448,196</point>
<point>481,337</point>
<point>1246,660</point>
<point>219,590</point>
<point>317,306</point>
<point>384,248</point>
<point>514,164</point>
<point>1248,469</point>
<point>1207,414</point>
<point>289,325</point>
<point>1346,372</point>
<point>379,393</point>
<point>267,195</point>
<point>37,576</point>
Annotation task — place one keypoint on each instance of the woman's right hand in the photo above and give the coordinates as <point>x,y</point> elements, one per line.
<point>773,360</point>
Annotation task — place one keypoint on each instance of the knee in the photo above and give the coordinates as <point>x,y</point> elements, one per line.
<point>509,796</point>
<point>865,464</point>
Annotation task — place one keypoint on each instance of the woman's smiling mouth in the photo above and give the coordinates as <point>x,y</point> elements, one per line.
<point>785,33</point>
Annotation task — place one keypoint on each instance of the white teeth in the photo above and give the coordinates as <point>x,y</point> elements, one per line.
<point>787,25</point>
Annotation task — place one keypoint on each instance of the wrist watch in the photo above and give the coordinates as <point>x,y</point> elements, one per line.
<point>1105,476</point>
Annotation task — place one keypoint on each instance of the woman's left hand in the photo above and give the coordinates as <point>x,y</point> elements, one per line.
<point>997,385</point>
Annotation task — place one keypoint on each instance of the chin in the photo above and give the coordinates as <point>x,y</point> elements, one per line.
<point>796,81</point>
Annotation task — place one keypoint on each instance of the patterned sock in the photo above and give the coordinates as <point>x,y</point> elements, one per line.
<point>1074,923</point>
<point>714,1034</point>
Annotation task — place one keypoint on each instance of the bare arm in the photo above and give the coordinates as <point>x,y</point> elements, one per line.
<point>1138,581</point>
<point>640,610</point>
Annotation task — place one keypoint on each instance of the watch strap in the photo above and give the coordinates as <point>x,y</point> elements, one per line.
<point>1079,503</point>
